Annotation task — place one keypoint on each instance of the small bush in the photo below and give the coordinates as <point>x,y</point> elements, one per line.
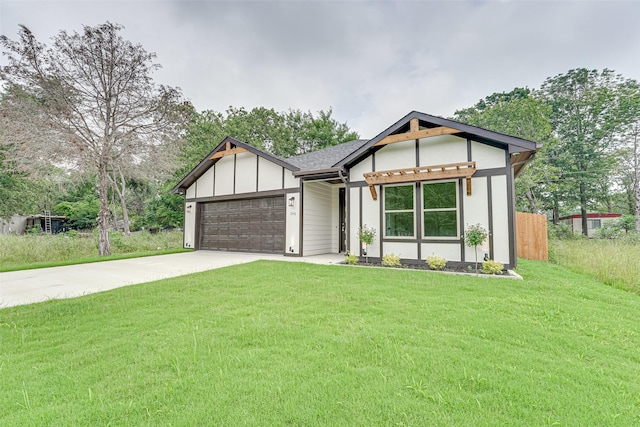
<point>559,231</point>
<point>351,259</point>
<point>436,262</point>
<point>391,260</point>
<point>492,267</point>
<point>609,230</point>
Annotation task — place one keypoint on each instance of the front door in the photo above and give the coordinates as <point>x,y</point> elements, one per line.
<point>342,220</point>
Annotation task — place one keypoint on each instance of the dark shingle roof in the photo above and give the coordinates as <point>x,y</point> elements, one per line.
<point>327,157</point>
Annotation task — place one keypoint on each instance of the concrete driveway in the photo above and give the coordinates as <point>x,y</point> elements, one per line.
<point>30,286</point>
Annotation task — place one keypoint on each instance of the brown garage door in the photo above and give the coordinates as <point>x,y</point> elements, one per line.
<point>251,225</point>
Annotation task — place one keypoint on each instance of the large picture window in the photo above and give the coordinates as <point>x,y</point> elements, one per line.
<point>440,209</point>
<point>399,211</point>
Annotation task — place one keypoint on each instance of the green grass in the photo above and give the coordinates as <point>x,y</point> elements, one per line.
<point>613,262</point>
<point>273,343</point>
<point>38,251</point>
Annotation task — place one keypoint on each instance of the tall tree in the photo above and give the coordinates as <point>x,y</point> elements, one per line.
<point>284,134</point>
<point>628,153</point>
<point>520,113</point>
<point>584,115</point>
<point>95,89</point>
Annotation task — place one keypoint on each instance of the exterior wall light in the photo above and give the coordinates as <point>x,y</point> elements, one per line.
<point>292,201</point>
<point>189,208</point>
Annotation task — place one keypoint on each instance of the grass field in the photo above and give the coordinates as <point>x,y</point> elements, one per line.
<point>39,250</point>
<point>613,262</point>
<point>272,343</point>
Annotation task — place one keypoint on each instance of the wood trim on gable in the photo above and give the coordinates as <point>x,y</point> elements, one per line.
<point>416,133</point>
<point>228,151</point>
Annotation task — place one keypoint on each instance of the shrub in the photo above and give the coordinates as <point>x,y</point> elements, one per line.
<point>627,223</point>
<point>559,231</point>
<point>351,259</point>
<point>120,242</point>
<point>391,260</point>
<point>366,235</point>
<point>492,267</point>
<point>609,230</point>
<point>436,262</point>
<point>474,236</point>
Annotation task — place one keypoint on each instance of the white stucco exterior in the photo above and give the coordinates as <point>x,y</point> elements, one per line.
<point>308,191</point>
<point>479,207</point>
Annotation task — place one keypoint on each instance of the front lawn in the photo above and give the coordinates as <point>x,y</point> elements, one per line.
<point>30,251</point>
<point>275,343</point>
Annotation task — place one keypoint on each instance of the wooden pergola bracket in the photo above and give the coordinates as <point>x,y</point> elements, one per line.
<point>416,133</point>
<point>228,151</point>
<point>374,194</point>
<point>421,173</point>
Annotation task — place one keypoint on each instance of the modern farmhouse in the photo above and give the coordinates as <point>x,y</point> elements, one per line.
<point>418,184</point>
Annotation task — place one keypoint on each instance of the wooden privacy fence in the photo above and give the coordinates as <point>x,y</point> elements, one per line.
<point>531,236</point>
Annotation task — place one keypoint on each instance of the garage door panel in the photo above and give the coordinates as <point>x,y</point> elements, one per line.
<point>247,225</point>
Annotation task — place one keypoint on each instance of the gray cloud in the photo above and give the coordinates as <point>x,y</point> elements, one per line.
<point>371,61</point>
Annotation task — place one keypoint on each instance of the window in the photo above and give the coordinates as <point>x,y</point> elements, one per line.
<point>440,209</point>
<point>595,223</point>
<point>399,211</point>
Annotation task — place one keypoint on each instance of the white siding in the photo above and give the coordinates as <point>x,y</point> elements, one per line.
<point>404,250</point>
<point>293,224</point>
<point>476,211</point>
<point>440,150</point>
<point>353,211</point>
<point>371,218</point>
<point>269,175</point>
<point>448,251</point>
<point>289,180</point>
<point>486,156</point>
<point>396,156</point>
<point>317,223</point>
<point>224,176</point>
<point>205,184</point>
<point>500,211</point>
<point>191,191</point>
<point>190,224</point>
<point>356,172</point>
<point>246,171</point>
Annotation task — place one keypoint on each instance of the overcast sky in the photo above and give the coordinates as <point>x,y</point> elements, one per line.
<point>371,61</point>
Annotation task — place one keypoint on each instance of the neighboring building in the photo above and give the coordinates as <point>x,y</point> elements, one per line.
<point>419,184</point>
<point>594,222</point>
<point>16,225</point>
<point>20,224</point>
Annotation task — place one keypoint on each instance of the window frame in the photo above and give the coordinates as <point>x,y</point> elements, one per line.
<point>412,210</point>
<point>456,209</point>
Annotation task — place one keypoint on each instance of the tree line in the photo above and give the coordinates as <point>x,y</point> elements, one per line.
<point>85,132</point>
<point>588,122</point>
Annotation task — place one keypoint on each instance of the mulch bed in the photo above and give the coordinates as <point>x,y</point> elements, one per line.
<point>425,267</point>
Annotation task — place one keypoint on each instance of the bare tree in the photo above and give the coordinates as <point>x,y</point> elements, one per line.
<point>95,90</point>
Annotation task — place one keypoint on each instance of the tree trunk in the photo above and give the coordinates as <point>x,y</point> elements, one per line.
<point>114,213</point>
<point>103,215</point>
<point>125,215</point>
<point>532,201</point>
<point>636,184</point>
<point>120,187</point>
<point>583,210</point>
<point>123,203</point>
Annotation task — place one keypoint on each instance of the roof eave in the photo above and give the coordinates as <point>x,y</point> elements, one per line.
<point>327,172</point>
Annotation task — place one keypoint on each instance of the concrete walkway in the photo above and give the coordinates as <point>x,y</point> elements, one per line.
<point>30,286</point>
